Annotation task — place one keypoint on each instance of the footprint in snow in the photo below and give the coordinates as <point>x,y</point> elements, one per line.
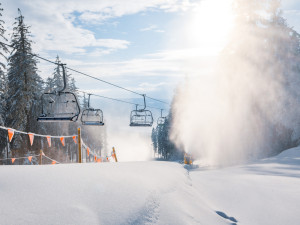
<point>232,219</point>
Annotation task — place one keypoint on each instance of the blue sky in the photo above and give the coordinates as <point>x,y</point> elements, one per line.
<point>142,45</point>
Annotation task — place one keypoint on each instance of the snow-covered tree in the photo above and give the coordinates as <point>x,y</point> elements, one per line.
<point>154,139</point>
<point>85,100</point>
<point>3,61</point>
<point>162,143</point>
<point>55,83</point>
<point>3,79</point>
<point>24,83</point>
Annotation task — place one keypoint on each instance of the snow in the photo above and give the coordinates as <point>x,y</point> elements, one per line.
<point>264,192</point>
<point>267,192</point>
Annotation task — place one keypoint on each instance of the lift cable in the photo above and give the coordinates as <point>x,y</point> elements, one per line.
<point>115,99</point>
<point>101,96</point>
<point>84,74</point>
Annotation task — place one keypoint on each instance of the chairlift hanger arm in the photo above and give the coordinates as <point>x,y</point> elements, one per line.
<point>64,76</point>
<point>144,96</point>
<point>89,100</point>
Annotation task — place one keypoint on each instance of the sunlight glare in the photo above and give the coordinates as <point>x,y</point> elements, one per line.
<point>210,25</point>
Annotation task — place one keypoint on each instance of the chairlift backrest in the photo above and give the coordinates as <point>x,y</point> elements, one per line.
<point>161,120</point>
<point>141,117</point>
<point>91,116</point>
<point>59,105</point>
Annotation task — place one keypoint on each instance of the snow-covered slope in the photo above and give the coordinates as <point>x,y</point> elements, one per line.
<point>108,193</point>
<point>267,192</point>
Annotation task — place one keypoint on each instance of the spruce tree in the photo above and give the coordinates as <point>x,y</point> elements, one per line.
<point>154,139</point>
<point>3,83</point>
<point>84,104</point>
<point>24,83</point>
<point>3,80</point>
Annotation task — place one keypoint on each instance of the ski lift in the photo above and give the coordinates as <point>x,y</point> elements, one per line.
<point>161,120</point>
<point>91,116</point>
<point>141,117</point>
<point>59,105</point>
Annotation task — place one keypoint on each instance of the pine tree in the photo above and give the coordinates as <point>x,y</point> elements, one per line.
<point>154,139</point>
<point>24,84</point>
<point>55,83</point>
<point>71,83</point>
<point>3,80</point>
<point>85,100</point>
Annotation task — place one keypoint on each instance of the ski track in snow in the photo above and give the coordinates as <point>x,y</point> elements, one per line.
<point>149,214</point>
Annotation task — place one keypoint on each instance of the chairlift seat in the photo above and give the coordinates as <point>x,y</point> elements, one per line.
<point>132,124</point>
<point>161,121</point>
<point>59,106</point>
<point>92,117</point>
<point>141,118</point>
<point>51,119</point>
<point>92,123</point>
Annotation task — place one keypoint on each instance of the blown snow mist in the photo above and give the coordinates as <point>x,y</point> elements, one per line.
<point>248,106</point>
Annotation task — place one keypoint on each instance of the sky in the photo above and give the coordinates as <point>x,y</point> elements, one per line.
<point>146,46</point>
<point>149,47</point>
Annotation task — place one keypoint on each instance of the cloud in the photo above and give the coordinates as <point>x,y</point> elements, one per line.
<point>89,17</point>
<point>152,28</point>
<point>149,87</point>
<point>55,24</point>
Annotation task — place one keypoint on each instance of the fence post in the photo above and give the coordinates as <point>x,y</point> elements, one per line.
<point>115,155</point>
<point>79,146</point>
<point>41,157</point>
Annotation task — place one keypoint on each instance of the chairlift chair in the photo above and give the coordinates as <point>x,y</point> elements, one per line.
<point>91,116</point>
<point>141,117</point>
<point>161,120</point>
<point>59,105</point>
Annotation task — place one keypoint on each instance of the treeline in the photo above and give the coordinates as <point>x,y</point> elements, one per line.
<point>21,88</point>
<point>163,147</point>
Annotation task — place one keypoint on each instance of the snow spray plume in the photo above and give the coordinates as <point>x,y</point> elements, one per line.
<point>249,106</point>
<point>131,144</point>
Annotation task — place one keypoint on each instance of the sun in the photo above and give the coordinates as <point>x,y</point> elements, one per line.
<point>209,26</point>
